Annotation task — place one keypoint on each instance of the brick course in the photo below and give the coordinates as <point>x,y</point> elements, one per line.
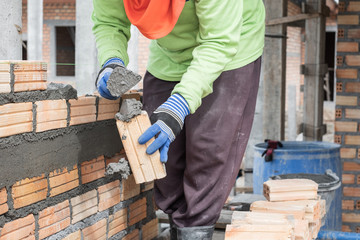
<point>92,170</point>
<point>63,180</point>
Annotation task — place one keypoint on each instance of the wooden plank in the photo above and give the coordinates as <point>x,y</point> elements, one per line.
<point>140,150</point>
<point>290,19</point>
<point>130,152</point>
<point>158,166</point>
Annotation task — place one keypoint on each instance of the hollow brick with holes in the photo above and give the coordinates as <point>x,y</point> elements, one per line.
<point>348,178</point>
<point>93,169</point>
<point>339,60</point>
<point>353,33</point>
<point>338,113</point>
<point>348,204</point>
<point>341,33</point>
<point>348,19</point>
<point>150,230</point>
<point>109,195</point>
<point>96,231</point>
<point>137,211</point>
<point>337,139</point>
<point>339,87</point>
<point>84,206</point>
<point>134,235</point>
<point>63,180</point>
<point>22,228</point>
<point>351,191</point>
<point>117,222</point>
<point>129,188</point>
<point>345,228</point>
<point>347,73</point>
<point>348,153</point>
<point>73,236</point>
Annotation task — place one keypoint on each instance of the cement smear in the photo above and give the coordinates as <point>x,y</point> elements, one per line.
<point>121,167</point>
<point>129,109</point>
<point>122,80</point>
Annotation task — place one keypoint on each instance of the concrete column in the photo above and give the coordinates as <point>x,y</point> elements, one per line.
<point>10,25</point>
<point>34,29</point>
<point>133,50</point>
<point>86,68</point>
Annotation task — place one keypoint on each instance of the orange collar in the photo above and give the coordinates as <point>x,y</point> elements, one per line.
<point>154,18</point>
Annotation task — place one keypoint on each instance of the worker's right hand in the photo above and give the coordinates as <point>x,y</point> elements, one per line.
<point>103,77</point>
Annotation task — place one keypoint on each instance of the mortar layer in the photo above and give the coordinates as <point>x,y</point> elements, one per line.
<point>122,80</point>
<point>129,109</point>
<point>28,155</point>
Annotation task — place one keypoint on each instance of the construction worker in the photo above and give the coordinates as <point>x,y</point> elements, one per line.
<point>200,92</point>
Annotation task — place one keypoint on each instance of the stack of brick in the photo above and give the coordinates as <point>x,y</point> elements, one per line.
<point>285,216</point>
<point>347,128</point>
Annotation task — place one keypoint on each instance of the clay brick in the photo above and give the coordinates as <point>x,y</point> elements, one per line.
<point>35,76</point>
<point>150,230</point>
<point>352,113</point>
<point>96,231</point>
<point>341,33</point>
<point>73,236</point>
<point>129,188</point>
<point>116,157</point>
<point>84,206</point>
<point>82,110</point>
<point>4,67</point>
<point>347,73</point>
<point>106,108</point>
<point>41,127</point>
<point>341,6</point>
<point>353,87</point>
<point>29,66</point>
<point>358,179</point>
<point>50,105</point>
<point>134,235</point>
<point>351,166</point>
<point>103,101</point>
<point>348,19</point>
<point>346,126</point>
<point>339,87</point>
<point>19,229</point>
<point>353,33</point>
<point>54,219</point>
<point>337,139</point>
<point>3,202</point>
<point>347,152</point>
<point>5,88</point>
<point>4,208</point>
<point>81,101</point>
<point>351,192</point>
<point>148,186</point>
<point>357,205</point>
<point>135,95</point>
<point>346,100</point>
<point>105,116</point>
<point>345,228</point>
<point>63,180</point>
<point>16,118</point>
<point>352,140</point>
<point>353,6</point>
<point>338,113</point>
<point>352,60</point>
<point>15,107</point>
<point>117,222</point>
<point>347,47</point>
<point>52,115</point>
<point>109,195</point>
<point>339,60</point>
<point>137,211</point>
<point>93,170</point>
<point>16,129</point>
<point>5,77</point>
<point>82,119</point>
<point>29,191</point>
<point>348,178</point>
<point>351,217</point>
<point>29,86</point>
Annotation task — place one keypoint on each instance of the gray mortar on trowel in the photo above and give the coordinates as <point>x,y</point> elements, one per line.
<point>129,109</point>
<point>122,80</point>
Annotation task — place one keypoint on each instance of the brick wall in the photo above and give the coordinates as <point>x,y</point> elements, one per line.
<point>58,199</point>
<point>347,127</point>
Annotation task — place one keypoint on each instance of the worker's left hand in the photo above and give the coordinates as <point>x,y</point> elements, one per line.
<point>168,121</point>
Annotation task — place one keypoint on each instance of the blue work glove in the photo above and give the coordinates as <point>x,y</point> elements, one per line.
<point>168,121</point>
<point>103,77</point>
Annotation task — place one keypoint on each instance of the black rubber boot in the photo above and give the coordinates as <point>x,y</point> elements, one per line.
<point>173,229</point>
<point>195,233</point>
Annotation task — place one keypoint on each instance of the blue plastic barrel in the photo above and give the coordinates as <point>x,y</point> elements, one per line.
<point>301,157</point>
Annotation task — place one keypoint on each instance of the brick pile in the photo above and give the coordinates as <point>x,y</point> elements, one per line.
<point>347,128</point>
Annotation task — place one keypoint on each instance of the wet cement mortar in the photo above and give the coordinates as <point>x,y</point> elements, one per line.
<point>122,80</point>
<point>121,167</point>
<point>55,91</point>
<point>129,109</point>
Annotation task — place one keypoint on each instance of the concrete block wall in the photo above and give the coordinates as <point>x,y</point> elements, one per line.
<point>54,149</point>
<point>347,125</point>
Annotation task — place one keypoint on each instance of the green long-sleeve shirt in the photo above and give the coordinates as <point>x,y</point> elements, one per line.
<point>211,36</point>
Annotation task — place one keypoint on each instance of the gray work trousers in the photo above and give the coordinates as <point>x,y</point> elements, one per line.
<point>204,160</point>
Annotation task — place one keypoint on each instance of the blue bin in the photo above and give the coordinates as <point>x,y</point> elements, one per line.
<point>301,157</point>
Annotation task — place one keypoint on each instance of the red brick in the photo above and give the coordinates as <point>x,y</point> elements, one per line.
<point>352,60</point>
<point>137,211</point>
<point>352,140</point>
<point>150,230</point>
<point>352,113</point>
<point>105,116</point>
<point>351,166</point>
<point>148,186</point>
<point>348,19</point>
<point>129,188</point>
<point>351,217</point>
<point>346,126</point>
<point>346,100</point>
<point>73,236</point>
<point>134,235</point>
<point>82,119</point>
<point>337,139</point>
<point>52,115</point>
<point>345,228</point>
<point>41,127</point>
<point>15,107</point>
<point>19,229</point>
<point>82,110</point>
<point>348,178</point>
<point>339,60</point>
<point>84,206</point>
<point>48,105</point>
<point>31,76</point>
<point>54,219</point>
<point>347,47</point>
<point>339,87</point>
<point>353,87</point>
<point>116,158</point>
<point>96,231</point>
<point>353,6</point>
<point>341,33</point>
<point>63,180</point>
<point>4,66</point>
<point>29,66</point>
<point>16,129</point>
<point>31,86</point>
<point>347,73</point>
<point>347,152</point>
<point>104,101</point>
<point>357,205</point>
<point>338,113</point>
<point>93,170</point>
<point>5,88</point>
<point>16,118</point>
<point>109,195</point>
<point>117,222</point>
<point>29,191</point>
<point>3,196</point>
<point>351,192</point>
<point>81,101</point>
<point>353,33</point>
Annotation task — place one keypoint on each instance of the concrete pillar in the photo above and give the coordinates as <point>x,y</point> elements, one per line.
<point>86,68</point>
<point>291,113</point>
<point>10,25</point>
<point>34,29</point>
<point>133,50</point>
